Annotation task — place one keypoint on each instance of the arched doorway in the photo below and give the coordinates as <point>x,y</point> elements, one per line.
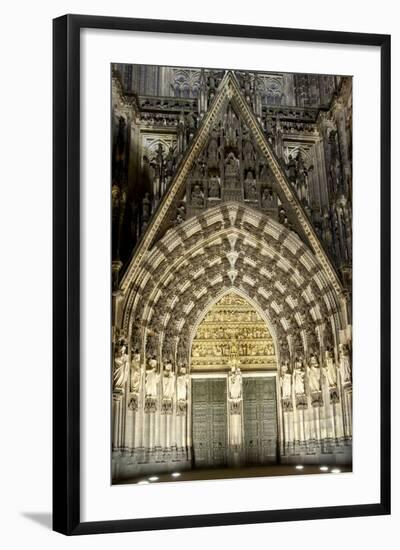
<point>233,368</point>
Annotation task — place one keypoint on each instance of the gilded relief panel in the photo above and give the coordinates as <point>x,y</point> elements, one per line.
<point>233,334</point>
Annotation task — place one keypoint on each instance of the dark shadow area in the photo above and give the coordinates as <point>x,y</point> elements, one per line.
<point>42,518</point>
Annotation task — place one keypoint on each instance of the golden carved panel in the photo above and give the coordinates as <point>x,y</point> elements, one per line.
<point>232,334</point>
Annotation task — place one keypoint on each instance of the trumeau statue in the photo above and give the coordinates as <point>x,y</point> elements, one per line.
<point>235,397</point>
<point>344,363</point>
<point>314,375</point>
<point>330,369</point>
<point>152,378</point>
<point>235,385</point>
<point>121,367</point>
<point>286,382</point>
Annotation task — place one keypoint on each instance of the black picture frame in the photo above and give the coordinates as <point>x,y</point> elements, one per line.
<point>66,273</point>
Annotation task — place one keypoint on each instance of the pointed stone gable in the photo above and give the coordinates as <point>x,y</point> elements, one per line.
<point>229,92</point>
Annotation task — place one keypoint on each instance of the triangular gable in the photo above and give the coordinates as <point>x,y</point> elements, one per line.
<point>229,91</point>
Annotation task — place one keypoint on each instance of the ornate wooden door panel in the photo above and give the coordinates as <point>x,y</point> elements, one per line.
<point>260,420</point>
<point>209,422</point>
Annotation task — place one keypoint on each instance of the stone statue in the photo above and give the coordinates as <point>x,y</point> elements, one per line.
<point>314,375</point>
<point>286,382</point>
<point>267,198</point>
<point>135,372</point>
<point>190,125</point>
<point>231,170</point>
<point>146,208</point>
<point>213,190</point>
<point>248,155</point>
<point>197,195</point>
<point>291,168</point>
<point>298,378</point>
<point>168,382</point>
<point>212,156</point>
<point>235,385</point>
<point>330,370</point>
<point>121,367</point>
<point>182,384</point>
<point>344,363</point>
<point>250,187</point>
<point>152,378</point>
<point>169,161</point>
<point>234,401</point>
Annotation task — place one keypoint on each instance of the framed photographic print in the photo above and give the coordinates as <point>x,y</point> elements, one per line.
<point>221,274</point>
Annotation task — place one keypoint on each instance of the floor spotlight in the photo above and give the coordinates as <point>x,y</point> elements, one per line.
<point>324,468</point>
<point>175,474</point>
<point>299,467</point>
<point>335,471</point>
<point>154,478</point>
<point>143,482</point>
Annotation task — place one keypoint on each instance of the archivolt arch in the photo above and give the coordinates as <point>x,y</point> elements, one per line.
<point>230,246</point>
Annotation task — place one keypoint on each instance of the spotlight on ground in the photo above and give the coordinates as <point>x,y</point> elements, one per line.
<point>299,467</point>
<point>324,468</point>
<point>143,482</point>
<point>175,474</point>
<point>154,478</point>
<point>335,471</point>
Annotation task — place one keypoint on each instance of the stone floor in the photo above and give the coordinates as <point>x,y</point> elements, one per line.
<point>229,473</point>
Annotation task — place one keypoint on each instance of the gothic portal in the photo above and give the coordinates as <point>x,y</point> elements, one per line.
<point>234,407</point>
<point>231,239</point>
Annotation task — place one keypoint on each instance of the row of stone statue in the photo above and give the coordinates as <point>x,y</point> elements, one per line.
<point>296,380</point>
<point>129,375</point>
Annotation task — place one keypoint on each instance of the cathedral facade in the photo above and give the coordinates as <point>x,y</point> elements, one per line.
<point>231,269</point>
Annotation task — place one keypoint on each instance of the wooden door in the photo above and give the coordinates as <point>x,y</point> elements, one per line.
<point>209,422</point>
<point>260,421</point>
